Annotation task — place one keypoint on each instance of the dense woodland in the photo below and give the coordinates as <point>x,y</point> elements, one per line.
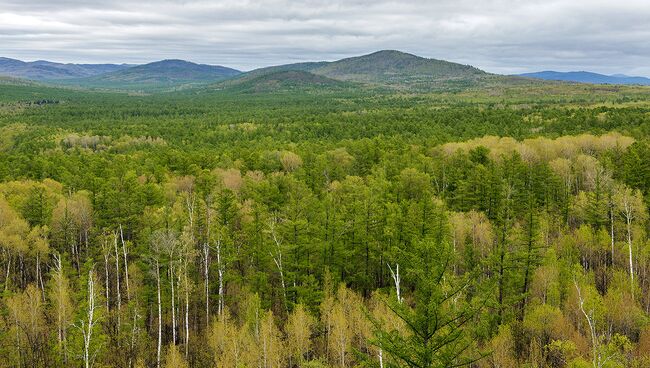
<point>499,228</point>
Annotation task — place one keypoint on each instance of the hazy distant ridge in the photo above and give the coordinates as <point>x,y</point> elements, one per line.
<point>46,70</point>
<point>588,77</point>
<point>386,68</point>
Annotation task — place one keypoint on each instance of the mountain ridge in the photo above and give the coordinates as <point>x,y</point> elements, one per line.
<point>43,70</point>
<point>163,74</point>
<point>587,77</point>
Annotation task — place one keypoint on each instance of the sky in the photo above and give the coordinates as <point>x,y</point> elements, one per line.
<point>499,36</point>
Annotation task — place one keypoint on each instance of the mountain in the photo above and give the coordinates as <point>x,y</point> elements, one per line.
<point>588,77</point>
<point>386,68</point>
<point>397,68</point>
<point>158,75</point>
<point>49,71</point>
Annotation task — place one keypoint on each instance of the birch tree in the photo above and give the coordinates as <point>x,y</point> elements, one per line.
<point>187,254</point>
<point>28,326</point>
<point>174,359</point>
<point>299,328</point>
<point>60,299</point>
<point>87,324</point>
<point>271,347</point>
<point>276,255</point>
<point>225,341</point>
<point>221,271</point>
<point>39,248</point>
<point>630,206</point>
<point>161,241</point>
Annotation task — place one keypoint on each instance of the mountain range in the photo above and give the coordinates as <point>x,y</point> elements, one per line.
<point>588,77</point>
<point>383,69</point>
<point>42,70</point>
<point>157,75</point>
<point>388,68</point>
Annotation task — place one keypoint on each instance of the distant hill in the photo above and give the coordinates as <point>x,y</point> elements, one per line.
<point>386,68</point>
<point>397,68</point>
<point>47,71</point>
<point>284,81</point>
<point>158,75</point>
<point>588,77</point>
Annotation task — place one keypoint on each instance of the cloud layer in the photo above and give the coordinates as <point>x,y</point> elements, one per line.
<point>503,36</point>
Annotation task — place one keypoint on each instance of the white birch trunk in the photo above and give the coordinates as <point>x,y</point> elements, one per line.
<point>206,277</point>
<point>87,326</point>
<point>220,272</point>
<point>107,282</point>
<point>117,283</point>
<point>611,230</point>
<point>187,314</point>
<point>171,281</point>
<point>277,259</point>
<point>397,280</point>
<point>126,265</point>
<point>159,315</point>
<point>596,359</point>
<point>628,220</point>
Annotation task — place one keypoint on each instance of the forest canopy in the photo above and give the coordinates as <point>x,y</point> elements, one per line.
<point>499,228</point>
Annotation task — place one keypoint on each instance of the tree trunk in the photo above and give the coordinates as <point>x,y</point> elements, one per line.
<point>629,247</point>
<point>187,314</point>
<point>117,285</point>
<point>592,329</point>
<point>206,277</point>
<point>107,291</point>
<point>220,270</point>
<point>159,315</point>
<point>91,320</point>
<point>171,281</point>
<point>611,231</point>
<point>126,265</point>
<point>397,280</point>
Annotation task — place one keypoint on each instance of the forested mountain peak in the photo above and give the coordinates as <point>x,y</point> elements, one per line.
<point>396,67</point>
<point>385,68</point>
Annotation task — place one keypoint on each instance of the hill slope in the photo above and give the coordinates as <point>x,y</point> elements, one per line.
<point>158,75</point>
<point>588,77</point>
<point>46,70</point>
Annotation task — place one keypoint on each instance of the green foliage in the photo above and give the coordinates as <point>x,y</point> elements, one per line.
<point>242,201</point>
<point>435,326</point>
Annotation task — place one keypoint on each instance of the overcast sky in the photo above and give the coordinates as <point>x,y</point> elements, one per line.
<point>501,36</point>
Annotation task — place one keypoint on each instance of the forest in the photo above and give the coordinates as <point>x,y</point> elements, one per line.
<point>493,227</point>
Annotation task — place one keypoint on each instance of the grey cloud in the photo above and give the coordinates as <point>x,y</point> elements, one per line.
<point>504,36</point>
